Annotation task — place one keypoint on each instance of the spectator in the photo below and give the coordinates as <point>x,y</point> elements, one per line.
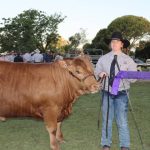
<point>48,56</point>
<point>67,55</point>
<point>32,56</point>
<point>58,57</point>
<point>18,58</point>
<point>4,56</point>
<point>27,57</point>
<point>37,57</point>
<point>11,56</point>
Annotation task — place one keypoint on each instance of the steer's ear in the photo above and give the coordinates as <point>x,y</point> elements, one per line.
<point>62,63</point>
<point>86,57</point>
<point>71,68</point>
<point>67,64</point>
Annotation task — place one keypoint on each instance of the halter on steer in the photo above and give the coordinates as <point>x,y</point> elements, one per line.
<point>84,78</point>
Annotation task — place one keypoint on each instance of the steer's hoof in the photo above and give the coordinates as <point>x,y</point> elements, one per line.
<point>2,119</point>
<point>61,141</point>
<point>55,148</point>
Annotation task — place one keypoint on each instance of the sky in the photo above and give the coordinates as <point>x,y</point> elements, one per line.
<point>91,15</point>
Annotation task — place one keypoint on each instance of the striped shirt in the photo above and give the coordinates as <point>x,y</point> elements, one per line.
<point>125,62</point>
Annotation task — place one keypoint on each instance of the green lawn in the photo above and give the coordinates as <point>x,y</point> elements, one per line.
<point>80,129</point>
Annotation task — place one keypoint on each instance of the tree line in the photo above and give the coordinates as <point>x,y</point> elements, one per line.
<point>136,29</point>
<point>30,30</point>
<point>33,29</point>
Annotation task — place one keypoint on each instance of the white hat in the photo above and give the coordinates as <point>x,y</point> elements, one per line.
<point>32,53</point>
<point>37,51</point>
<point>4,53</point>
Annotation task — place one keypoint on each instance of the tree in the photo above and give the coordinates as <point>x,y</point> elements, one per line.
<point>52,40</point>
<point>83,35</point>
<point>78,39</point>
<point>134,28</point>
<point>61,44</point>
<point>99,42</point>
<point>87,46</point>
<point>75,41</point>
<point>143,51</point>
<point>29,30</point>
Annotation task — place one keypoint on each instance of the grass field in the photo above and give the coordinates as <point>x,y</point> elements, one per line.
<point>80,129</point>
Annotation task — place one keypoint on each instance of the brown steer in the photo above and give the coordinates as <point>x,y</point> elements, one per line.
<point>45,91</point>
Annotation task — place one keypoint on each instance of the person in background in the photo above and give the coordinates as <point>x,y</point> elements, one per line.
<point>67,55</point>
<point>47,56</point>
<point>58,57</point>
<point>27,57</point>
<point>37,57</point>
<point>18,58</point>
<point>32,58</point>
<point>118,104</point>
<point>11,56</point>
<point>4,56</point>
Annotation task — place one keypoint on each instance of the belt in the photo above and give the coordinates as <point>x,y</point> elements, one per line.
<point>119,92</point>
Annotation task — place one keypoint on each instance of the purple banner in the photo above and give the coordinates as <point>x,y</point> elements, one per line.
<point>128,75</point>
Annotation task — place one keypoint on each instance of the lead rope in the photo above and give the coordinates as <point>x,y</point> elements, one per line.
<point>103,79</point>
<point>101,103</point>
<point>108,106</point>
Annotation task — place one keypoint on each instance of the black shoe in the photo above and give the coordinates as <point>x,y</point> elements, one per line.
<point>124,148</point>
<point>106,147</point>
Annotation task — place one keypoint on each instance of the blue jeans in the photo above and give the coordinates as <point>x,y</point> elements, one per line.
<point>118,108</point>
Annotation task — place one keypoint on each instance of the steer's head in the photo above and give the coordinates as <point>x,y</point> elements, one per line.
<point>82,70</point>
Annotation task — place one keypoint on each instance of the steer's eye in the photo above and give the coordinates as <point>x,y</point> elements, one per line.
<point>77,71</point>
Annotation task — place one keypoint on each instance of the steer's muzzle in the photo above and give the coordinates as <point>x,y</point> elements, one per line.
<point>95,87</point>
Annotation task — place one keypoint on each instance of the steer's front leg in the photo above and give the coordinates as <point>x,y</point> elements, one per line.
<point>53,141</point>
<point>50,118</point>
<point>59,135</point>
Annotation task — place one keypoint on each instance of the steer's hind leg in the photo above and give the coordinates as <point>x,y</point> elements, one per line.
<point>2,118</point>
<point>59,135</point>
<point>50,118</point>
